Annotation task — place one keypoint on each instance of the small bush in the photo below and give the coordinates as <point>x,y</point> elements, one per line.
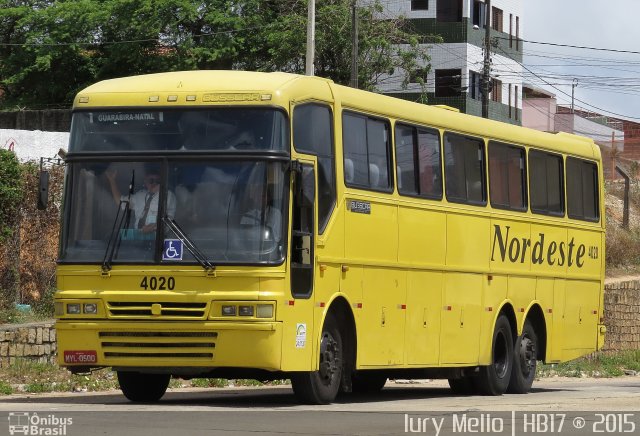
<point>622,247</point>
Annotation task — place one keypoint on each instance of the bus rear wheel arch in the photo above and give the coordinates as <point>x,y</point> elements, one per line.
<point>142,387</point>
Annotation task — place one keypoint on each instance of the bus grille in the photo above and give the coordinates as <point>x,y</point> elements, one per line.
<point>156,310</point>
<point>158,345</point>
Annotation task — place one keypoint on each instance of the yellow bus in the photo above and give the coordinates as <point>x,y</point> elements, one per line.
<point>268,225</point>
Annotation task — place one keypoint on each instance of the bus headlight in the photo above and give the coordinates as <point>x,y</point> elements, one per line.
<point>90,308</point>
<point>245,311</point>
<point>228,310</point>
<point>73,308</point>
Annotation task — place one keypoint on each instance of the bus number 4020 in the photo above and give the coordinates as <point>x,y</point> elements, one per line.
<point>158,283</point>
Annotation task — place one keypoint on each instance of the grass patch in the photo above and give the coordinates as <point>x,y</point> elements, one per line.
<point>5,388</point>
<point>597,365</point>
<point>37,377</point>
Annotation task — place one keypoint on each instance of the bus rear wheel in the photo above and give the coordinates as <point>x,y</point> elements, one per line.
<point>494,379</point>
<point>321,387</point>
<point>525,361</point>
<point>143,388</point>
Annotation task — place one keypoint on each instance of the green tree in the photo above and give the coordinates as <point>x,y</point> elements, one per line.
<point>51,49</point>
<point>10,192</point>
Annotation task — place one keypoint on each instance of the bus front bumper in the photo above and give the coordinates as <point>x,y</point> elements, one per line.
<point>170,345</point>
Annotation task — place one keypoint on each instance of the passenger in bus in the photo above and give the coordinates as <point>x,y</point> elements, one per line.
<point>144,202</point>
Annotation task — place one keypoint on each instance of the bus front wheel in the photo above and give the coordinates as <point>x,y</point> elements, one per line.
<point>143,388</point>
<point>525,361</point>
<point>321,387</point>
<point>494,379</point>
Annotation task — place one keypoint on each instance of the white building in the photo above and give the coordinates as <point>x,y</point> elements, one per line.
<point>457,63</point>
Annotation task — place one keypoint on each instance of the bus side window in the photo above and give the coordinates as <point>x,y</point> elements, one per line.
<point>366,142</point>
<point>546,185</point>
<point>464,169</point>
<point>418,161</point>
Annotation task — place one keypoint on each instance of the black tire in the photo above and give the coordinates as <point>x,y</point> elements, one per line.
<point>321,387</point>
<point>525,361</point>
<point>368,382</point>
<point>143,388</point>
<point>494,379</point>
<point>462,385</point>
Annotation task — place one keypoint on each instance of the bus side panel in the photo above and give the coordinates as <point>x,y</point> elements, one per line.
<point>549,249</point>
<point>585,246</point>
<point>557,335</point>
<point>522,291</point>
<point>383,314</point>
<point>510,246</point>
<point>424,307</point>
<point>421,236</point>
<point>467,242</point>
<point>460,338</point>
<point>372,236</point>
<point>545,295</point>
<point>580,318</point>
<point>493,295</point>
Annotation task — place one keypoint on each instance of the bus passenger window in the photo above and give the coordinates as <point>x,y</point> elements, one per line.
<point>464,169</point>
<point>418,161</point>
<point>546,183</point>
<point>582,190</point>
<point>366,150</point>
<point>507,176</point>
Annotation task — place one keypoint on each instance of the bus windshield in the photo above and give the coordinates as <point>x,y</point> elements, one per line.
<point>231,210</point>
<point>218,129</point>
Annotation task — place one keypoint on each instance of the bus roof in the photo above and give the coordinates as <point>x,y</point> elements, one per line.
<point>120,92</point>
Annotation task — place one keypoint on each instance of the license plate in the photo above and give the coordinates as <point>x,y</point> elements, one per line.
<point>80,356</point>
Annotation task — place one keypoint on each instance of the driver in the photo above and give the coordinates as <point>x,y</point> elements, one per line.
<point>144,203</point>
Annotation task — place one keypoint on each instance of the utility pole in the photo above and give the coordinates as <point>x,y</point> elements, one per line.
<point>486,71</point>
<point>573,87</point>
<point>354,45</point>
<point>311,38</point>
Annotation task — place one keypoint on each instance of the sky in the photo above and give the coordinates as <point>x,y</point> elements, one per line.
<point>608,82</point>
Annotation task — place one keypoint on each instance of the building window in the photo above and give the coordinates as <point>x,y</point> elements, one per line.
<point>419,5</point>
<point>449,11</point>
<point>464,169</point>
<point>367,160</point>
<point>496,19</point>
<point>448,83</point>
<point>507,179</point>
<point>475,91</point>
<point>546,183</point>
<point>496,90</point>
<point>418,161</point>
<point>479,13</point>
<point>582,190</point>
<point>510,30</point>
<point>510,100</point>
<point>515,106</point>
<point>517,33</point>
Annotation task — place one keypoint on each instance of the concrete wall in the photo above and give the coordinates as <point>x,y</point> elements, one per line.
<point>28,341</point>
<point>33,144</point>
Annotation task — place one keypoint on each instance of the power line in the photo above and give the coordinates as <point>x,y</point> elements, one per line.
<point>612,50</point>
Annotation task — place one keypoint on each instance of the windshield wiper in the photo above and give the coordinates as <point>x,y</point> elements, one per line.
<point>121,219</point>
<point>189,245</point>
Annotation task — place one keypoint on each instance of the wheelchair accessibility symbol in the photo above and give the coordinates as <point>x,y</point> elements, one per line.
<point>172,249</point>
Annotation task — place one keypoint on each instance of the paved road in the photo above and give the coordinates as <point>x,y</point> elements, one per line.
<point>399,408</point>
